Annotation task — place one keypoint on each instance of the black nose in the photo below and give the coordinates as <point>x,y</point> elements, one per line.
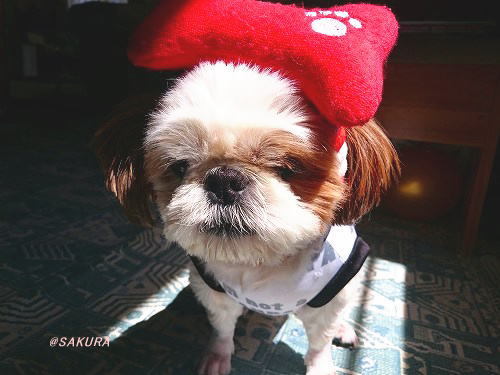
<point>224,185</point>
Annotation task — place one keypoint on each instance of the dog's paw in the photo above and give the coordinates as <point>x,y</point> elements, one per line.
<point>217,359</point>
<point>320,362</point>
<point>320,371</point>
<point>215,364</point>
<point>345,336</point>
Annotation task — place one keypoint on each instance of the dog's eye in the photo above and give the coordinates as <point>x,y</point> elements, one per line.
<point>285,173</point>
<point>179,168</point>
<point>289,169</point>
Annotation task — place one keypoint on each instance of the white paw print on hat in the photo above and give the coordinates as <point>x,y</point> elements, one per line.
<point>332,26</point>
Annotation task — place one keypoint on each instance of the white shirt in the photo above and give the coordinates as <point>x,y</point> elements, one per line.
<point>287,288</point>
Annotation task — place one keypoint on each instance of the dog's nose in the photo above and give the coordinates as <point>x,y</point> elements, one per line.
<point>224,185</point>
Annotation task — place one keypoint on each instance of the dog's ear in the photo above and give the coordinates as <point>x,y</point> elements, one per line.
<point>373,165</point>
<point>118,145</point>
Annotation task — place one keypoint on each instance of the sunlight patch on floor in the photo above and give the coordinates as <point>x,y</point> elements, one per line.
<point>147,306</point>
<point>380,298</point>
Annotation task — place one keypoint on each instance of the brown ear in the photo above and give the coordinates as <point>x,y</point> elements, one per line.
<point>373,165</point>
<point>118,145</point>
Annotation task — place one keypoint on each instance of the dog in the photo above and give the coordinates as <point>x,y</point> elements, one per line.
<point>241,169</point>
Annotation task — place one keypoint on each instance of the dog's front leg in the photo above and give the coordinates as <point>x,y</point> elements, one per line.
<point>323,324</point>
<point>223,312</point>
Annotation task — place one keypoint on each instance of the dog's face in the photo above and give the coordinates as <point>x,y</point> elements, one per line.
<point>240,166</point>
<point>241,169</point>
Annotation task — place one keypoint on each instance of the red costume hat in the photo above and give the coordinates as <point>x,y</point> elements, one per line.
<point>335,55</point>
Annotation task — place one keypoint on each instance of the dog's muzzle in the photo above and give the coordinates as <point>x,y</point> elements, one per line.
<point>225,185</point>
<point>225,188</point>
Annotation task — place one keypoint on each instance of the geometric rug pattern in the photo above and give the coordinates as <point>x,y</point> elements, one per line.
<point>71,265</point>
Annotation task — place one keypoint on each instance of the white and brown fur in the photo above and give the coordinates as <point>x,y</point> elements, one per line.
<point>256,122</point>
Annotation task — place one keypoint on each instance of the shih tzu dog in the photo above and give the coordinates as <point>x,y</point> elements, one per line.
<point>243,172</point>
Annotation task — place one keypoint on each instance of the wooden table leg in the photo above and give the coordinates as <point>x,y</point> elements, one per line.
<point>477,193</point>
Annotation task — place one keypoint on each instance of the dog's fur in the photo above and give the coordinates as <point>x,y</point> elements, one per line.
<point>256,122</point>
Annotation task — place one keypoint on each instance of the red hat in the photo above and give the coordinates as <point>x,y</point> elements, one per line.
<point>336,55</point>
